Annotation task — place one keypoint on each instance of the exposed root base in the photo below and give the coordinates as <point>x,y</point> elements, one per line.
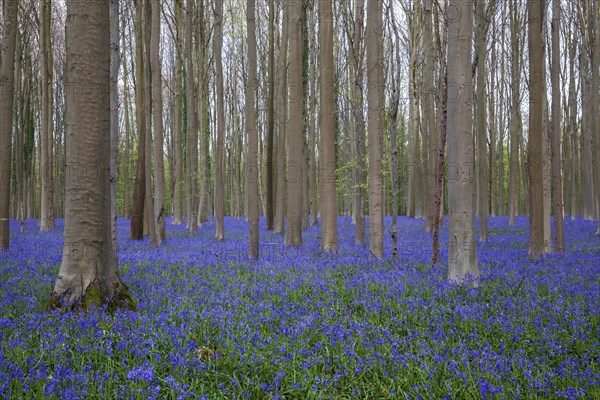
<point>92,297</point>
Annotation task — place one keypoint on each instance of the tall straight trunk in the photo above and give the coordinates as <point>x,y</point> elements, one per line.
<point>127,198</point>
<point>536,142</point>
<point>462,251</point>
<point>270,219</point>
<point>7,76</point>
<point>293,234</point>
<point>596,109</point>
<point>575,210</point>
<point>429,134</point>
<point>204,115</point>
<point>515,115</point>
<point>493,196</point>
<point>280,208</point>
<point>47,209</point>
<point>139,192</point>
<point>88,274</point>
<point>413,114</point>
<point>328,197</point>
<point>219,182</point>
<point>557,172</point>
<point>150,216</point>
<point>114,118</point>
<point>19,120</point>
<point>178,185</point>
<point>251,169</point>
<point>480,123</point>
<point>439,188</point>
<point>375,125</point>
<point>157,124</point>
<point>314,199</point>
<point>359,119</point>
<point>192,124</point>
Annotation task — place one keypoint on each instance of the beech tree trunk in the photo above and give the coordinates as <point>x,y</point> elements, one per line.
<point>557,172</point>
<point>88,275</point>
<point>295,131</point>
<point>328,197</point>
<point>462,251</point>
<point>219,182</point>
<point>270,192</point>
<point>251,169</point>
<point>7,75</point>
<point>178,184</point>
<point>375,124</point>
<point>515,115</point>
<point>192,125</point>
<point>47,173</point>
<point>481,124</point>
<point>114,119</point>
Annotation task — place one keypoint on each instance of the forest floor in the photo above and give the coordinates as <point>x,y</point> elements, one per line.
<point>299,324</point>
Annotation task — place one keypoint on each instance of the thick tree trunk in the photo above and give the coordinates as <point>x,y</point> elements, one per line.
<point>47,211</point>
<point>114,119</point>
<point>596,110</point>
<point>536,143</point>
<point>157,124</point>
<point>88,275</point>
<point>7,75</point>
<point>293,234</point>
<point>251,169</point>
<point>375,125</point>
<point>219,181</point>
<point>328,197</point>
<point>557,172</point>
<point>462,251</point>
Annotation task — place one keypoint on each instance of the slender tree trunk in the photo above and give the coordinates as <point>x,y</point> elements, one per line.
<point>375,121</point>
<point>178,184</point>
<point>47,211</point>
<point>139,193</point>
<point>7,68</point>
<point>251,169</point>
<point>481,125</point>
<point>413,112</point>
<point>329,235</point>
<point>575,210</point>
<point>270,120</point>
<point>88,274</point>
<point>192,124</point>
<point>536,143</point>
<point>515,116</point>
<point>596,110</point>
<point>293,234</point>
<point>127,198</point>
<point>219,189</point>
<point>557,172</point>
<point>430,137</point>
<point>157,124</point>
<point>439,190</point>
<point>280,208</point>
<point>462,251</point>
<point>114,119</point>
<point>203,103</point>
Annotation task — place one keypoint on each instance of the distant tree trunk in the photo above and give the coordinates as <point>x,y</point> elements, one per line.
<point>127,198</point>
<point>7,75</point>
<point>595,101</point>
<point>114,119</point>
<point>359,119</point>
<point>429,134</point>
<point>480,123</point>
<point>178,185</point>
<point>280,208</point>
<point>328,197</point>
<point>439,188</point>
<point>413,112</point>
<point>293,234</point>
<point>192,124</point>
<point>204,124</point>
<point>157,124</point>
<point>575,210</point>
<point>88,274</point>
<point>375,127</point>
<point>219,188</point>
<point>515,115</point>
<point>557,181</point>
<point>462,251</point>
<point>251,169</point>
<point>535,151</point>
<point>47,193</point>
<point>139,192</point>
<point>270,119</point>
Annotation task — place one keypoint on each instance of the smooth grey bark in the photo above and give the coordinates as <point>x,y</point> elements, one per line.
<point>557,172</point>
<point>515,114</point>
<point>295,129</point>
<point>178,185</point>
<point>157,123</point>
<point>429,132</point>
<point>47,207</point>
<point>220,140</point>
<point>251,169</point>
<point>270,189</point>
<point>7,75</point>
<point>328,195</point>
<point>115,62</point>
<point>375,124</point>
<point>462,251</point>
<point>481,123</point>
<point>192,125</point>
<point>88,274</point>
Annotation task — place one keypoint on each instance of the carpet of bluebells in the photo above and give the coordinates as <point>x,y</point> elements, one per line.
<point>299,324</point>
